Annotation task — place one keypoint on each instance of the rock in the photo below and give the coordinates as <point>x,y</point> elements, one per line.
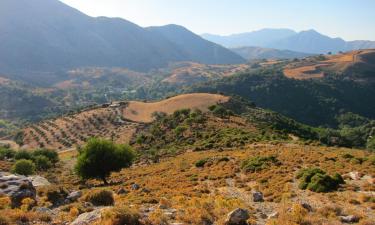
<point>349,219</point>
<point>74,196</point>
<point>354,175</point>
<point>145,190</point>
<point>17,188</point>
<point>258,196</point>
<point>135,187</point>
<point>89,218</point>
<point>273,215</point>
<point>237,217</point>
<point>88,205</point>
<point>307,206</point>
<point>39,181</point>
<point>122,191</point>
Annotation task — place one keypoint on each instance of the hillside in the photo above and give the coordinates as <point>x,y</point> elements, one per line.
<point>309,41</point>
<point>43,43</point>
<point>357,65</point>
<point>254,53</point>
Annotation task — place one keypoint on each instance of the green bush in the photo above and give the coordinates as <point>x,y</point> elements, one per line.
<point>371,144</point>
<point>51,155</point>
<point>42,162</point>
<point>56,195</point>
<point>23,154</point>
<point>100,157</point>
<point>6,153</point>
<point>258,163</point>
<point>100,197</point>
<point>24,167</point>
<point>316,180</point>
<point>201,162</point>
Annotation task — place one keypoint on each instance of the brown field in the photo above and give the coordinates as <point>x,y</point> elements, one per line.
<point>190,72</point>
<point>338,63</point>
<point>142,111</point>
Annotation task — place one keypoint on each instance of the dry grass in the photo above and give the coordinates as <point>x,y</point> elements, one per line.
<point>142,112</point>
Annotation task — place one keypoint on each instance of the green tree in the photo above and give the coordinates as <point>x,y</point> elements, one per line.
<point>24,167</point>
<point>99,157</point>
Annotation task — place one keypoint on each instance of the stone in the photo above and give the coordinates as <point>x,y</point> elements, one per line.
<point>74,196</point>
<point>307,206</point>
<point>273,215</point>
<point>89,217</point>
<point>122,191</point>
<point>237,217</point>
<point>17,188</point>
<point>145,190</point>
<point>135,187</point>
<point>349,219</point>
<point>258,196</point>
<point>39,181</point>
<point>354,175</point>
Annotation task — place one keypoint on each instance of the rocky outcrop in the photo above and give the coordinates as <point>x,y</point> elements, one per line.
<point>17,188</point>
<point>237,217</point>
<point>258,196</point>
<point>89,217</point>
<point>349,219</point>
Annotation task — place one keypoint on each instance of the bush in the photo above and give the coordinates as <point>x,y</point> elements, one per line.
<point>51,155</point>
<point>23,155</point>
<point>42,162</point>
<point>100,198</point>
<point>56,195</point>
<point>100,157</point>
<point>258,163</point>
<point>6,153</point>
<point>122,215</point>
<point>315,179</point>
<point>201,162</point>
<point>24,167</point>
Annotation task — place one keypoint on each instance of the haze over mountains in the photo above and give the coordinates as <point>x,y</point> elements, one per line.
<point>39,35</point>
<point>309,41</point>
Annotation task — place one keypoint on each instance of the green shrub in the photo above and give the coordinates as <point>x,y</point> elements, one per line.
<point>258,163</point>
<point>100,197</point>
<point>56,195</point>
<point>316,180</point>
<point>201,162</point>
<point>100,157</point>
<point>42,162</point>
<point>23,154</point>
<point>51,155</point>
<point>6,153</point>
<point>371,144</point>
<point>24,167</point>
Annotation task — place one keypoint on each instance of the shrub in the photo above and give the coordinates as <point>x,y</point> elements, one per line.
<point>24,167</point>
<point>201,162</point>
<point>56,195</point>
<point>315,179</point>
<point>42,162</point>
<point>51,155</point>
<point>258,163</point>
<point>22,155</point>
<point>100,197</point>
<point>122,215</point>
<point>4,220</point>
<point>6,153</point>
<point>100,157</point>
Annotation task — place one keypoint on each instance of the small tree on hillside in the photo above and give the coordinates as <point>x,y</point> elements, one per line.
<point>99,157</point>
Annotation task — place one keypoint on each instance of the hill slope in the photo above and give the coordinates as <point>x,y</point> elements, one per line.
<point>252,53</point>
<point>42,35</point>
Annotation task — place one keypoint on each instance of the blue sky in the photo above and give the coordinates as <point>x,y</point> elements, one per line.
<point>349,19</point>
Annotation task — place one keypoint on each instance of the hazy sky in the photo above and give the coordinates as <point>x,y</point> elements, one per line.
<point>349,19</point>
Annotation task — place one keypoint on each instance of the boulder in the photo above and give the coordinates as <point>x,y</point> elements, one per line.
<point>74,196</point>
<point>307,206</point>
<point>258,196</point>
<point>273,215</point>
<point>349,219</point>
<point>237,217</point>
<point>354,175</point>
<point>39,181</point>
<point>121,191</point>
<point>16,188</point>
<point>89,217</point>
<point>135,187</point>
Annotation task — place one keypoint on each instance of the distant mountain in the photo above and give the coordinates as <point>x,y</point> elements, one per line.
<point>251,53</point>
<point>39,35</point>
<point>260,38</point>
<point>195,47</point>
<point>309,41</point>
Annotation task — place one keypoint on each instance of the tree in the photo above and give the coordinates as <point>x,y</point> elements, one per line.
<point>24,167</point>
<point>99,157</point>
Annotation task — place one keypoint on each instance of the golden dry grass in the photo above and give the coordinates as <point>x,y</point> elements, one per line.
<point>142,111</point>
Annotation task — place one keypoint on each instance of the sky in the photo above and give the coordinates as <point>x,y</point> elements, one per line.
<point>348,19</point>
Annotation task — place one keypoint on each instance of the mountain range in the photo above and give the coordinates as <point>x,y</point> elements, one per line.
<point>309,41</point>
<point>39,35</point>
<point>254,53</point>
